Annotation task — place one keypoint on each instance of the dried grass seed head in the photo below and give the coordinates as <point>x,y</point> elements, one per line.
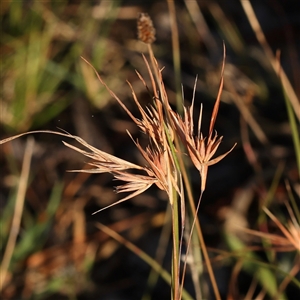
<point>146,30</point>
<point>200,149</point>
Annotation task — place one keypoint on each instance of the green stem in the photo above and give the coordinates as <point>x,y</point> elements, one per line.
<point>175,254</point>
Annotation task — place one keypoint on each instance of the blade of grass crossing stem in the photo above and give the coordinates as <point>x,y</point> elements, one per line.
<point>142,255</point>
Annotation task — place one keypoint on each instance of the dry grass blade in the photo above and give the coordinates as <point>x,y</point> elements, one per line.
<point>217,103</point>
<point>110,91</point>
<point>293,273</point>
<point>275,239</point>
<point>32,132</point>
<point>292,235</point>
<point>103,161</point>
<point>137,184</point>
<point>246,113</point>
<point>151,122</point>
<point>151,77</point>
<point>248,9</point>
<point>16,221</point>
<point>201,25</point>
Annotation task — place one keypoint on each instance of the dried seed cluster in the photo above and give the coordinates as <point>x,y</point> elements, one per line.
<point>161,123</point>
<point>146,30</point>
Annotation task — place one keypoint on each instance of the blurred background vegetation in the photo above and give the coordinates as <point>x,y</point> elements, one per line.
<point>59,252</point>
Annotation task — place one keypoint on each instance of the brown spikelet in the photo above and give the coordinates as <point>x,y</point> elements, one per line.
<point>146,30</point>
